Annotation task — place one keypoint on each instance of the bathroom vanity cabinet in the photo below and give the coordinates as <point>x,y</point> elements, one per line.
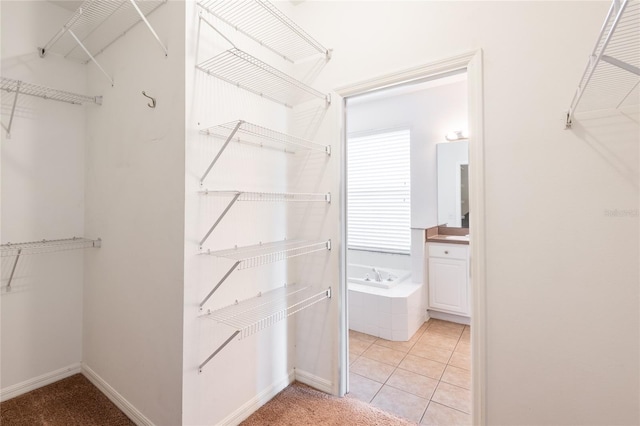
<point>448,275</point>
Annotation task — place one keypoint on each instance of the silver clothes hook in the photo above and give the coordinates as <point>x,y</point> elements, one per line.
<point>153,100</point>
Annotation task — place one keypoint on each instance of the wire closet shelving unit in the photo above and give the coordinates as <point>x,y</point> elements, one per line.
<point>611,79</point>
<point>263,23</point>
<point>44,246</point>
<point>96,25</point>
<point>263,254</point>
<point>19,87</point>
<point>252,315</point>
<point>244,132</point>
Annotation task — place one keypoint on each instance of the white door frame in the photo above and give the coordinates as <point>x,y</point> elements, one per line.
<point>472,62</point>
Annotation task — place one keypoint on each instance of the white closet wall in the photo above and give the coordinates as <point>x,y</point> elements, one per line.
<point>42,198</point>
<point>134,184</point>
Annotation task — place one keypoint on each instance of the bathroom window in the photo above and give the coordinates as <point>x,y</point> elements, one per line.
<point>378,191</point>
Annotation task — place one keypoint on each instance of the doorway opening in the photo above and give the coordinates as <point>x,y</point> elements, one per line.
<point>408,167</point>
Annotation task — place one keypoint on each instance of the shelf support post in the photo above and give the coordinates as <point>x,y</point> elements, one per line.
<point>226,342</point>
<point>13,269</point>
<point>224,146</point>
<point>226,210</point>
<point>144,18</point>
<point>90,55</point>
<point>223,279</point>
<point>13,111</point>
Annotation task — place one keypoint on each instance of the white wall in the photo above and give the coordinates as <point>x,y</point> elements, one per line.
<point>133,300</point>
<point>562,283</point>
<point>42,198</point>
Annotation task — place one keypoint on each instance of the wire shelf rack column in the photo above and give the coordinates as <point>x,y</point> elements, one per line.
<point>260,196</point>
<point>19,87</point>
<point>263,254</point>
<point>252,315</point>
<point>244,132</point>
<point>44,246</point>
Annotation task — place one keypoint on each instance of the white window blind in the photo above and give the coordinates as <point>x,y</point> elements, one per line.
<point>378,192</point>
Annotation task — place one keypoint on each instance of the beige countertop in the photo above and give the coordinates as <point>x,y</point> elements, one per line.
<point>442,234</point>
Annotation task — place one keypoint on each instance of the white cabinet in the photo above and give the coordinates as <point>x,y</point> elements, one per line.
<point>449,278</point>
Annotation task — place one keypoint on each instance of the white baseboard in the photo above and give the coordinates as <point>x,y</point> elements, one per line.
<point>314,381</point>
<point>450,317</point>
<point>127,408</point>
<point>257,401</point>
<point>38,382</point>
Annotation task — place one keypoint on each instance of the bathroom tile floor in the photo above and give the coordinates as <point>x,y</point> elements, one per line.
<point>426,380</point>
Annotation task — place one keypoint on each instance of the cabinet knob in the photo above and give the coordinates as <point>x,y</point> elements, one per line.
<point>446,252</point>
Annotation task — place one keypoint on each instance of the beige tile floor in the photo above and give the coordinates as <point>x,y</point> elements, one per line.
<point>426,380</point>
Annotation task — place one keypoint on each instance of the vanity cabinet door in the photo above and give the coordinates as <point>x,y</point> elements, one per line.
<point>448,289</point>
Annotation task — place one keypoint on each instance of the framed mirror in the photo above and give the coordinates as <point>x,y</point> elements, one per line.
<point>453,184</point>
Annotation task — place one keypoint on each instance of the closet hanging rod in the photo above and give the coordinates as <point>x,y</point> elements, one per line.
<point>263,254</point>
<point>44,246</point>
<point>244,132</point>
<point>260,196</point>
<point>253,75</point>
<point>612,73</point>
<point>20,87</point>
<point>266,309</point>
<point>97,24</point>
<point>265,24</point>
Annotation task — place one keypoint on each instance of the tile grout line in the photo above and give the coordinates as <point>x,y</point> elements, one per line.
<point>417,337</point>
<point>440,381</point>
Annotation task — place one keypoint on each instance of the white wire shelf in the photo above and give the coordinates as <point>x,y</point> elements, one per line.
<point>244,132</point>
<point>44,246</point>
<point>261,21</point>
<point>255,314</point>
<point>23,88</point>
<point>47,246</point>
<point>261,196</point>
<point>249,73</point>
<point>612,75</point>
<point>96,25</point>
<point>263,254</point>
<point>272,196</point>
<point>19,87</point>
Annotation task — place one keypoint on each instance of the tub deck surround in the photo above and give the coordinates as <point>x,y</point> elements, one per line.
<point>366,275</point>
<point>392,314</point>
<point>444,234</point>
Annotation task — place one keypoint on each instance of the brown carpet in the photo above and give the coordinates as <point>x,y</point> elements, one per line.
<point>299,405</point>
<point>68,402</point>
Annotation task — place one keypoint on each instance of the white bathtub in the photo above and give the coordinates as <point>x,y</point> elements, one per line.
<point>365,275</point>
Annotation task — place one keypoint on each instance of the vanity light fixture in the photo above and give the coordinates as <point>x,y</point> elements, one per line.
<point>457,135</point>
